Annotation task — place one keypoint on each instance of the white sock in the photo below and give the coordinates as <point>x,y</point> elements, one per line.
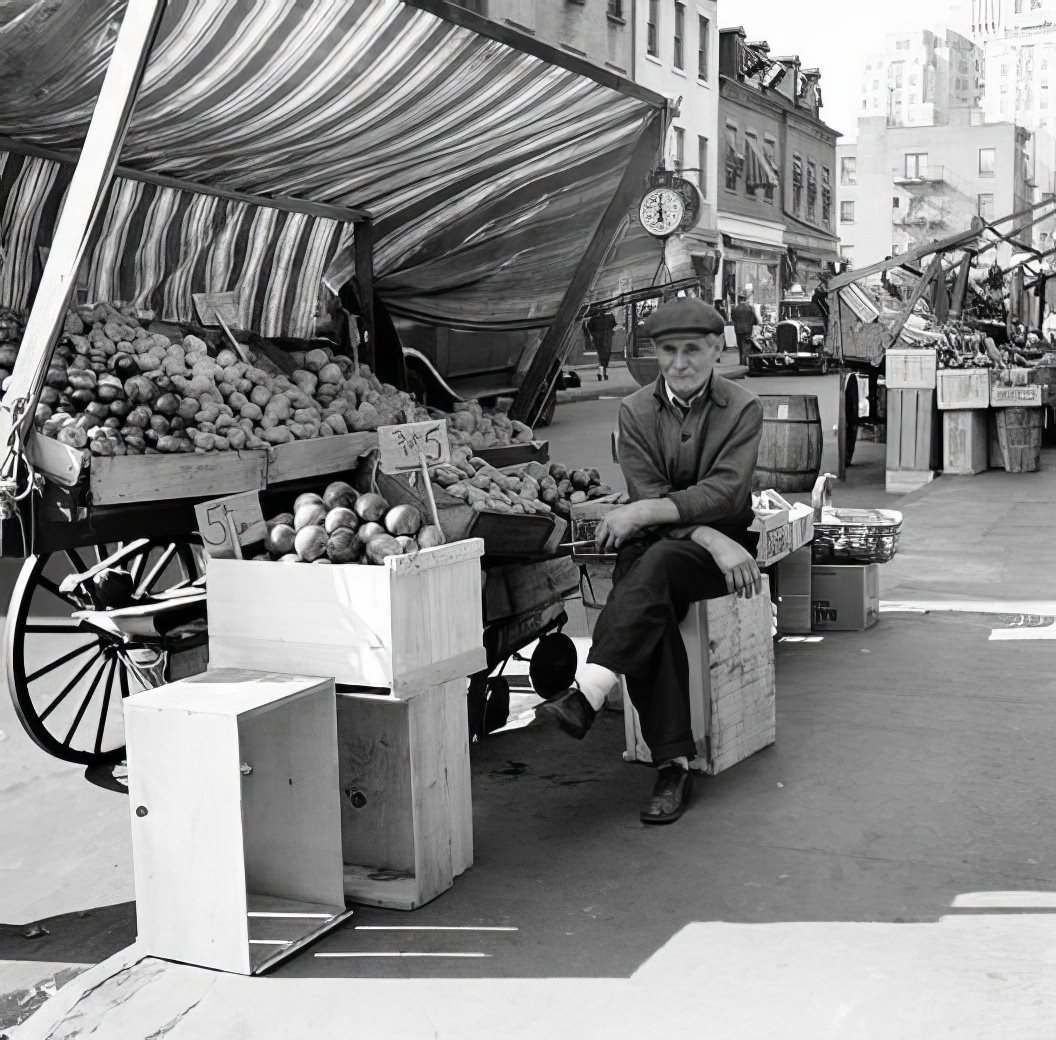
<point>596,682</point>
<point>680,761</point>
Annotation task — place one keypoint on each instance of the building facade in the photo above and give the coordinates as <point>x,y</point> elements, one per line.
<point>923,78</point>
<point>777,179</point>
<point>900,187</point>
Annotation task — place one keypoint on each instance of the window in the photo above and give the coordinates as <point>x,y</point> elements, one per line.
<point>750,141</point>
<point>846,212</point>
<point>849,169</point>
<point>912,99</point>
<point>812,191</point>
<point>702,163</point>
<point>902,45</point>
<point>797,184</point>
<point>986,207</point>
<point>680,35</point>
<point>653,29</point>
<point>865,104</point>
<point>826,197</point>
<point>987,162</point>
<point>733,164</point>
<point>703,45</point>
<point>770,154</point>
<point>896,202</point>
<point>679,158</point>
<point>916,164</point>
<point>616,8</point>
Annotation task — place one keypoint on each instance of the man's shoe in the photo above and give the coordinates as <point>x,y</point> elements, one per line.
<point>670,795</point>
<point>570,710</point>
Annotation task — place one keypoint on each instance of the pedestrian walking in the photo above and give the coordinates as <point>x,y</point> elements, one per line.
<point>600,327</point>
<point>744,321</point>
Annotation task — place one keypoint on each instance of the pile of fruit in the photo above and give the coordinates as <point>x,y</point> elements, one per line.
<point>341,526</point>
<point>117,389</point>
<point>530,488</point>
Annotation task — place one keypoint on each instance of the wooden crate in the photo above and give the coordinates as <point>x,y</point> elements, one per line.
<point>521,588</point>
<point>910,369</point>
<point>515,454</point>
<point>731,683</point>
<point>958,389</point>
<point>965,442</point>
<point>793,593</point>
<point>913,443</point>
<point>236,817</point>
<point>406,625</point>
<point>406,807</point>
<point>1015,396</point>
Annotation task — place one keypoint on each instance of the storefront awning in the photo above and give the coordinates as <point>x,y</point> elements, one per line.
<point>486,168</point>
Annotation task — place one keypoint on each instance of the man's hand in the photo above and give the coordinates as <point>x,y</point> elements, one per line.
<point>619,526</point>
<point>735,562</point>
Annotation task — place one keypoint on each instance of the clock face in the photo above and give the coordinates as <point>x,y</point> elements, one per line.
<point>662,211</point>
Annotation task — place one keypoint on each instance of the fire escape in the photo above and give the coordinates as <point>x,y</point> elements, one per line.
<point>925,209</point>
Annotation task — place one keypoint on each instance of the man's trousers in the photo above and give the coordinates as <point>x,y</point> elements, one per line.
<point>637,633</point>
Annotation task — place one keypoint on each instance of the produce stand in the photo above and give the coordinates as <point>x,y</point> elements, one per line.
<point>938,345</point>
<point>348,187</point>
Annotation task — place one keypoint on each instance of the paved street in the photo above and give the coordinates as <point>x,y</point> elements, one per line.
<point>905,790</point>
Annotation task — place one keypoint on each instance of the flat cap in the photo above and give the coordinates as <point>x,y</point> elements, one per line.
<point>683,316</point>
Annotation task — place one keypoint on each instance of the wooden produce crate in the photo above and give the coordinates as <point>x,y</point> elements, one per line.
<point>236,817</point>
<point>731,683</point>
<point>965,441</point>
<point>411,623</point>
<point>959,389</point>
<point>406,806</point>
<point>515,454</point>
<point>1015,396</point>
<point>910,369</point>
<point>913,444</point>
<point>793,593</point>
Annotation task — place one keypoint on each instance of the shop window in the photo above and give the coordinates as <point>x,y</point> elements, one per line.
<point>703,46</point>
<point>652,42</point>
<point>680,35</point>
<point>812,192</point>
<point>986,207</point>
<point>987,162</point>
<point>849,169</point>
<point>679,158</point>
<point>846,212</point>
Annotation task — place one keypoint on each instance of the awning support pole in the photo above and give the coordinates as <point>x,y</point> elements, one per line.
<point>363,246</point>
<point>930,274</point>
<point>84,203</point>
<point>557,342</point>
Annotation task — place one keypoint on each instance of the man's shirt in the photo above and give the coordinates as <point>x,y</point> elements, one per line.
<point>703,462</point>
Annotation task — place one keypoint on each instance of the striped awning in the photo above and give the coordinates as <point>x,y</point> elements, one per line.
<point>486,169</point>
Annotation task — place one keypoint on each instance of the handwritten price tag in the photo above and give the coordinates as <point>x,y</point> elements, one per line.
<point>403,447</point>
<point>227,525</point>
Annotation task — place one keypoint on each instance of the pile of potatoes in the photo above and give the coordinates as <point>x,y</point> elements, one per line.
<point>341,526</point>
<point>115,388</point>
<point>470,426</point>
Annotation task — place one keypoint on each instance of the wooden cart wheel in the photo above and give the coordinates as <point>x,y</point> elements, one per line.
<point>67,680</point>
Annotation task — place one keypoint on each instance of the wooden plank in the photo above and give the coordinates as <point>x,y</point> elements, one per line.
<point>793,593</point>
<point>127,479</point>
<point>430,794</point>
<point>189,907</point>
<point>908,430</point>
<point>80,211</point>
<point>965,436</point>
<point>905,481</point>
<point>925,430</point>
<point>318,457</point>
<point>894,429</point>
<point>545,365</point>
<point>386,888</point>
<point>460,792</point>
<point>263,958</point>
<point>291,812</point>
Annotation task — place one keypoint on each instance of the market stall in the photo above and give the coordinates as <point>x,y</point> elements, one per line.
<point>361,161</point>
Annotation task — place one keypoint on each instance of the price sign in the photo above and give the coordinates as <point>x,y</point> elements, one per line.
<point>220,308</point>
<point>228,525</point>
<point>1016,396</point>
<point>411,445</point>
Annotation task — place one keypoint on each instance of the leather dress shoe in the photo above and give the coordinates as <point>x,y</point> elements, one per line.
<point>670,795</point>
<point>570,710</point>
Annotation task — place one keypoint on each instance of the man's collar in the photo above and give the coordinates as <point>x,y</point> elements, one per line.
<point>713,388</point>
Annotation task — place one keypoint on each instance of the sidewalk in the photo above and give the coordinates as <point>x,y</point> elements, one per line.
<point>621,383</point>
<point>882,870</point>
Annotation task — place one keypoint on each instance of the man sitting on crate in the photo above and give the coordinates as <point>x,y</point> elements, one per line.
<point>687,447</point>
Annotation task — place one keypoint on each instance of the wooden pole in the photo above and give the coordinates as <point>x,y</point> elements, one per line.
<point>84,202</point>
<point>429,494</point>
<point>545,366</point>
<point>934,268</point>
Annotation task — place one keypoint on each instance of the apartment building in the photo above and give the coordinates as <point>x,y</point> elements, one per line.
<point>777,191</point>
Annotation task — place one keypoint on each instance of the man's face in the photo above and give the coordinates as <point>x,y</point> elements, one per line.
<point>686,360</point>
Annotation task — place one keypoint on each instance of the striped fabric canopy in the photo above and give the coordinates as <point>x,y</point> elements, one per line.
<point>486,169</point>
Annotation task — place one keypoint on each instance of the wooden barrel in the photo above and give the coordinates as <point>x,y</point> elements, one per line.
<point>790,448</point>
<point>1019,434</point>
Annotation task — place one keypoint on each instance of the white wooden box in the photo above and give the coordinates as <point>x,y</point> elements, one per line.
<point>406,807</point>
<point>409,624</point>
<point>731,683</point>
<point>965,441</point>
<point>801,519</point>
<point>236,817</point>
<point>1015,396</point>
<point>960,389</point>
<point>910,369</point>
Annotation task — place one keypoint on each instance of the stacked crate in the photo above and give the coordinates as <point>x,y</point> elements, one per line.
<point>912,420</point>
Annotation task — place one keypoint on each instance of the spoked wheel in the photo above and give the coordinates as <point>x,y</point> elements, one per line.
<point>67,680</point>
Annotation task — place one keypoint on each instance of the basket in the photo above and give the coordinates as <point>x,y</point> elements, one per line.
<point>856,536</point>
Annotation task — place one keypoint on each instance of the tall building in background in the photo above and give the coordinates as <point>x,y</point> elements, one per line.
<point>923,78</point>
<point>778,164</point>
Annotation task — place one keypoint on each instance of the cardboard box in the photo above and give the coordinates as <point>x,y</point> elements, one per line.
<point>845,599</point>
